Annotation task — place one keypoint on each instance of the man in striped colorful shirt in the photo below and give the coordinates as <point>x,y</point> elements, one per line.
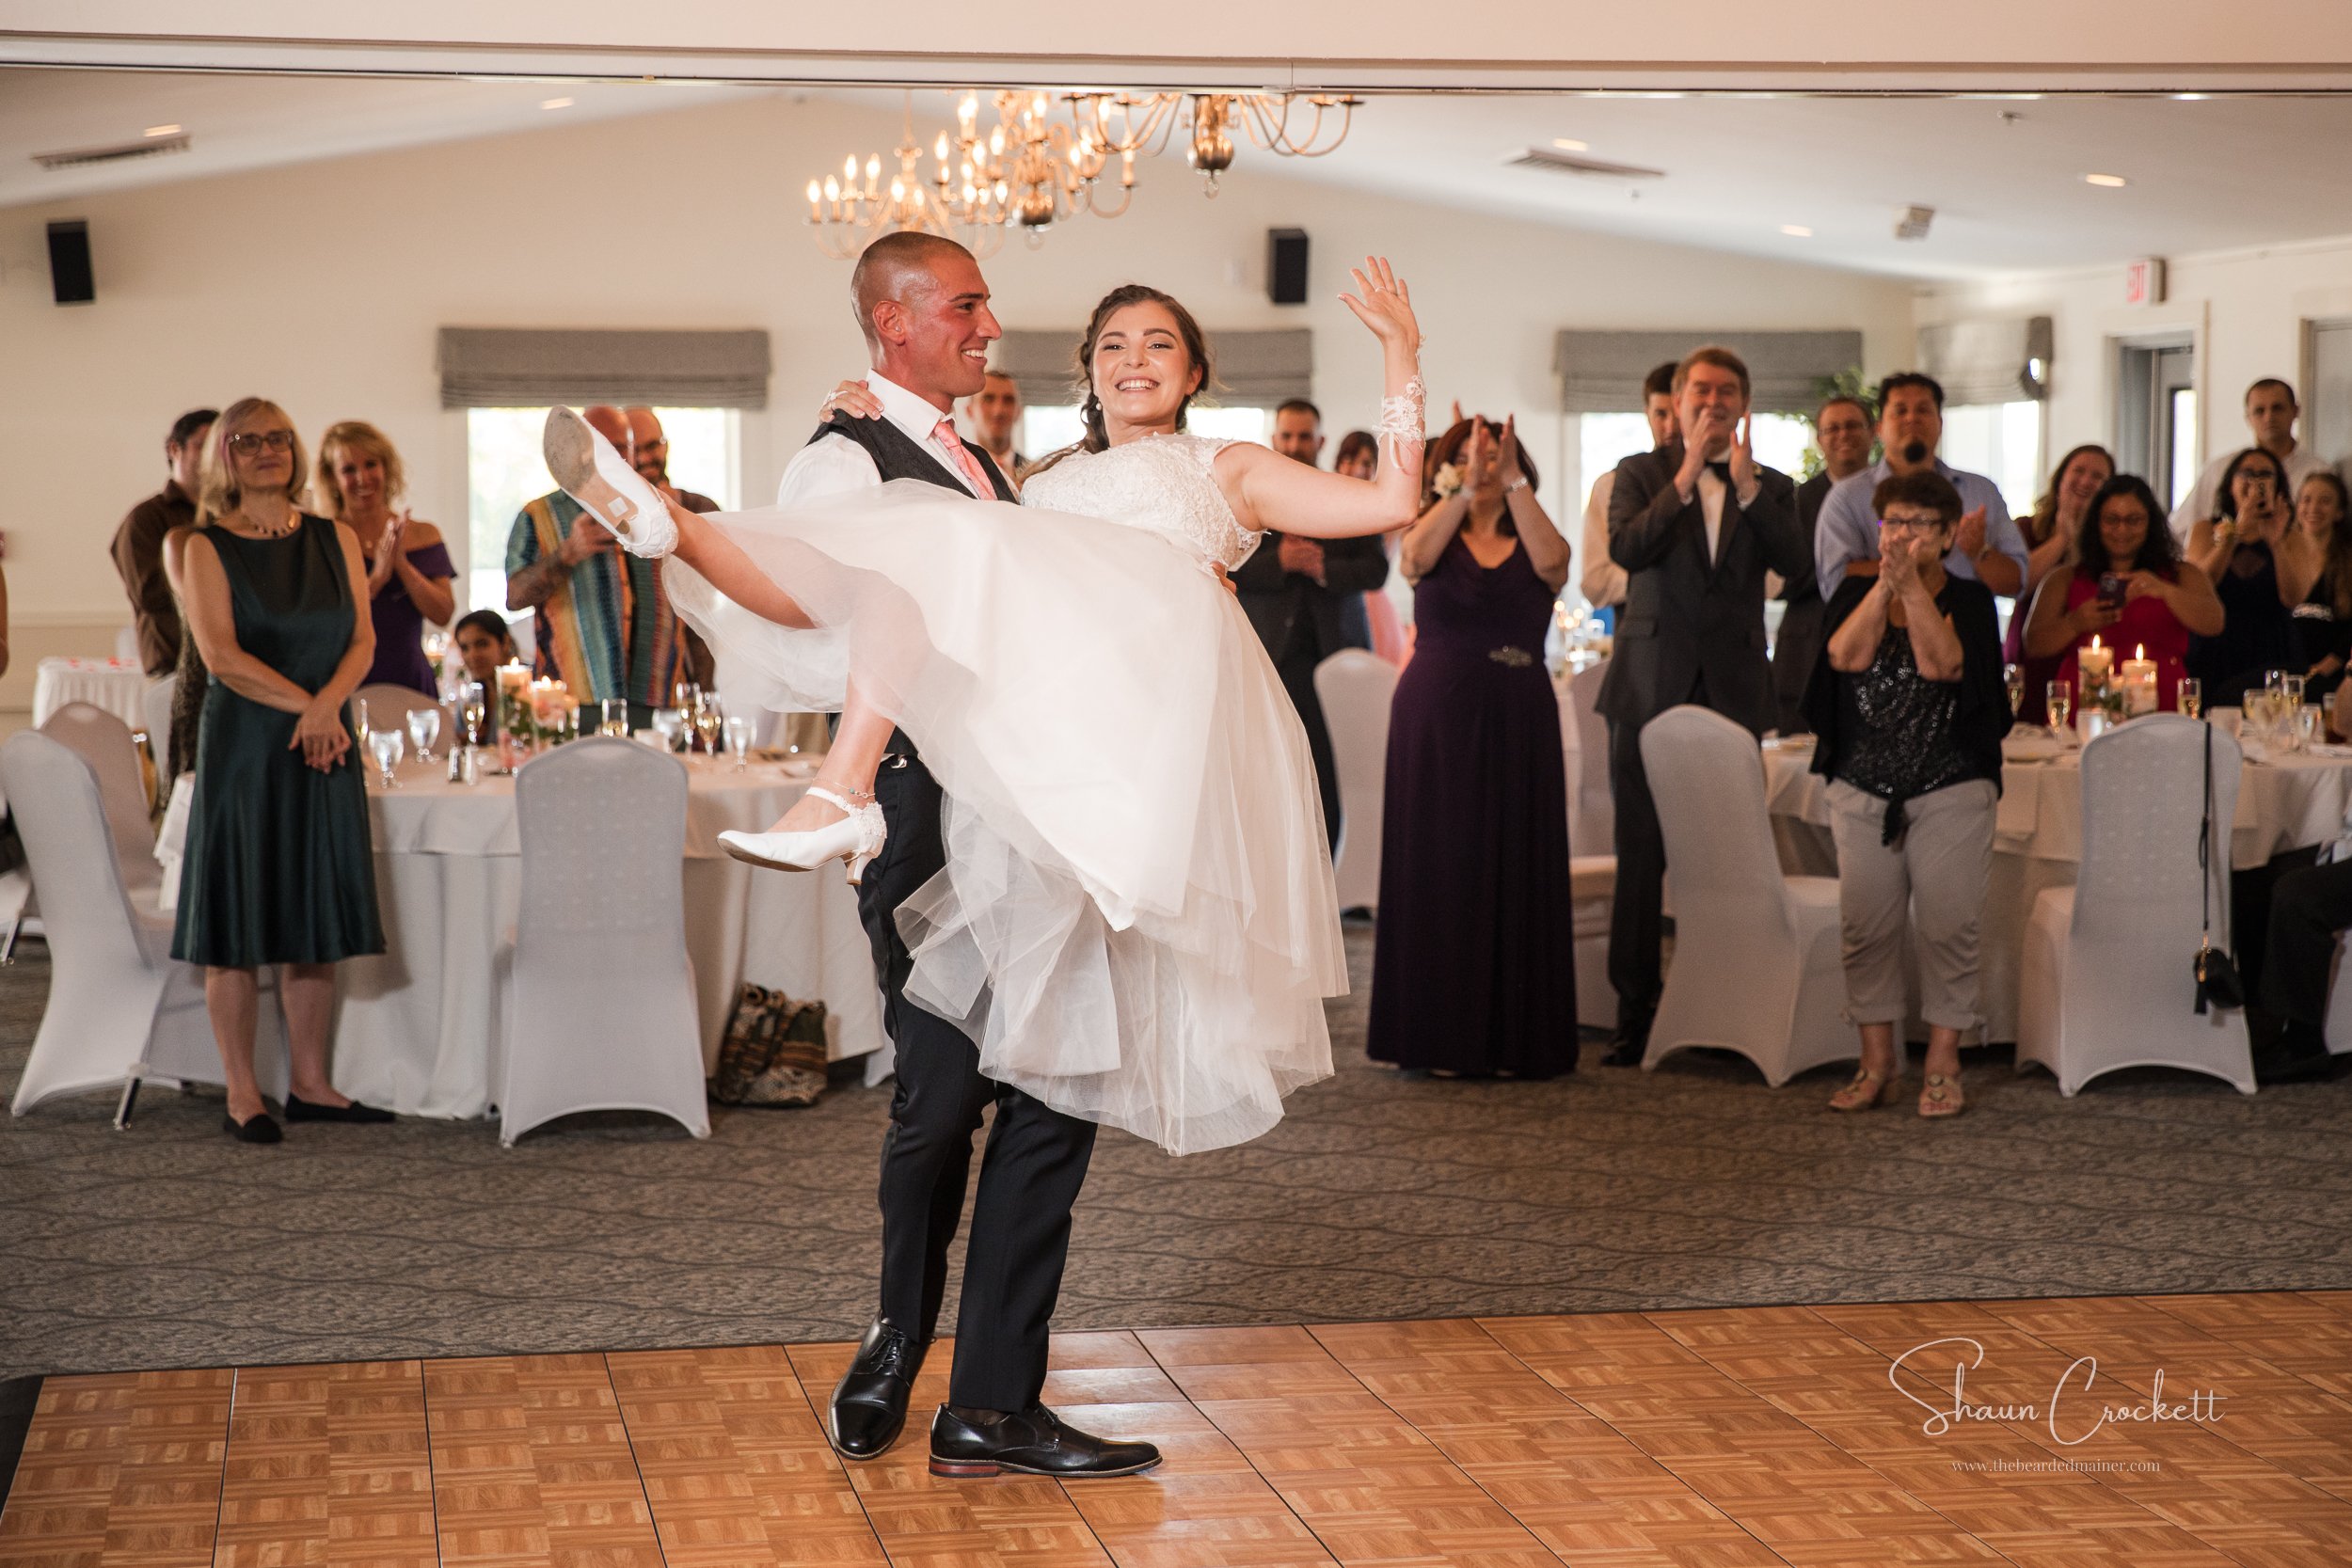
<point>603,625</point>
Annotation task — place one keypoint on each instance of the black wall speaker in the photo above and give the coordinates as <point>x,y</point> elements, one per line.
<point>1286,265</point>
<point>69,276</point>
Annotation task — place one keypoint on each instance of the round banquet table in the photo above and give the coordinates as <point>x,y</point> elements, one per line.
<point>2286,801</point>
<point>422,1027</point>
<point>116,685</point>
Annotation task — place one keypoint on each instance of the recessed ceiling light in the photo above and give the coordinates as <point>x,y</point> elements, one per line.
<point>2109,181</point>
<point>1796,231</point>
<point>1569,144</point>
<point>163,130</point>
<point>556,104</point>
<point>2190,97</point>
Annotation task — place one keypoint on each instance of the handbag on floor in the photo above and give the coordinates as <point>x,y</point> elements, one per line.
<point>2218,982</point>
<point>774,1051</point>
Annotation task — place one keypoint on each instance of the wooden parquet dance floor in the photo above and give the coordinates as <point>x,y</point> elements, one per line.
<point>1711,1439</point>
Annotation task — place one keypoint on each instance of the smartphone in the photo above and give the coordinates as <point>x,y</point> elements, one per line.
<point>2110,588</point>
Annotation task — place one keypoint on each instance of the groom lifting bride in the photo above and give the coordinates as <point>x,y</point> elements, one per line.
<point>1098,892</point>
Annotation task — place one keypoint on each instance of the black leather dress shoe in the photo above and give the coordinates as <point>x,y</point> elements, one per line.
<point>1034,1442</point>
<point>259,1128</point>
<point>299,1109</point>
<point>1625,1049</point>
<point>870,1403</point>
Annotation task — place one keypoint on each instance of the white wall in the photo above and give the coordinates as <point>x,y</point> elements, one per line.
<point>322,286</point>
<point>2246,310</point>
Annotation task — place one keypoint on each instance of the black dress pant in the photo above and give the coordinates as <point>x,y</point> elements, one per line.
<point>1030,1173</point>
<point>1798,649</point>
<point>1297,670</point>
<point>1637,921</point>
<point>2308,907</point>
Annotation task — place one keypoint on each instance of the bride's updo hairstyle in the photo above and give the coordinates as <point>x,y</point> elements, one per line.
<point>1090,410</point>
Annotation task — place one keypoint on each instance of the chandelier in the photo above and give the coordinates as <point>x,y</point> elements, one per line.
<point>1045,159</point>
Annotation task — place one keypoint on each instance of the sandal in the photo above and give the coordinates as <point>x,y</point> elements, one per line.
<point>1866,1091</point>
<point>1942,1097</point>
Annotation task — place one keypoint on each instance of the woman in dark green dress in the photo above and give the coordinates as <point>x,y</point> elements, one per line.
<point>279,868</point>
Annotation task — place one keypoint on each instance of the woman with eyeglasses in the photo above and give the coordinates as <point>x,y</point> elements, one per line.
<point>1910,706</point>
<point>2261,568</point>
<point>2127,586</point>
<point>279,868</point>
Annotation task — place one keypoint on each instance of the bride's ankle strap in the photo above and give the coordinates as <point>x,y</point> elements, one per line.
<point>857,800</point>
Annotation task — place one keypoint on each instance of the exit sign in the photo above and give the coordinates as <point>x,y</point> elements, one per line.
<point>2143,281</point>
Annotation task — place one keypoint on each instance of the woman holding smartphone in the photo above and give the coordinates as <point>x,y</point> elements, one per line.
<point>2128,587</point>
<point>2261,567</point>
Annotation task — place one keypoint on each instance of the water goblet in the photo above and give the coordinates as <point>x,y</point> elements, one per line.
<point>424,728</point>
<point>2059,698</point>
<point>2190,696</point>
<point>385,747</point>
<point>739,741</point>
<point>613,717</point>
<point>2307,727</point>
<point>668,722</point>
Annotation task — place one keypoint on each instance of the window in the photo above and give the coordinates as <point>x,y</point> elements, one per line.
<point>1604,440</point>
<point>504,471</point>
<point>2001,441</point>
<point>1049,427</point>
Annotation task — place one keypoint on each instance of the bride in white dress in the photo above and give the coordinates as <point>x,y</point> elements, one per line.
<point>1137,924</point>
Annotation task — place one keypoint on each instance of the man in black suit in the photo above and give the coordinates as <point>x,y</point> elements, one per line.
<point>1305,598</point>
<point>1696,525</point>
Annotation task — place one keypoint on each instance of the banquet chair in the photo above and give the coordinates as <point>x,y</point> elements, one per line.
<point>389,703</point>
<point>1355,688</point>
<point>1592,895</point>
<point>1592,801</point>
<point>120,1007</point>
<point>600,996</point>
<point>2107,981</point>
<point>105,743</point>
<point>1756,964</point>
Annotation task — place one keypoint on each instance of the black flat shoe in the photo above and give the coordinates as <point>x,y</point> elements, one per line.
<point>1034,1442</point>
<point>299,1109</point>
<point>259,1128</point>
<point>870,1403</point>
<point>1625,1050</point>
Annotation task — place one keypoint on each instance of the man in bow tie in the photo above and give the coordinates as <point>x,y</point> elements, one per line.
<point>1696,525</point>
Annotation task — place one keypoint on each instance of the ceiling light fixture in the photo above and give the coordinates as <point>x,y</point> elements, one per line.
<point>555,103</point>
<point>2106,182</point>
<point>2190,97</point>
<point>1796,231</point>
<point>161,131</point>
<point>1570,144</point>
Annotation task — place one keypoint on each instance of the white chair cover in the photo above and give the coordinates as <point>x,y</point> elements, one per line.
<point>1756,967</point>
<point>1355,688</point>
<point>105,743</point>
<point>601,999</point>
<point>2107,981</point>
<point>119,1006</point>
<point>2337,1029</point>
<point>1592,889</point>
<point>1592,803</point>
<point>388,705</point>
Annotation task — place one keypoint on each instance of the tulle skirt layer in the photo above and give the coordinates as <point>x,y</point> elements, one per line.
<point>1136,922</point>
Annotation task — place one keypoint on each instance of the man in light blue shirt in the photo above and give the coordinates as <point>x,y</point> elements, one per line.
<point>1988,545</point>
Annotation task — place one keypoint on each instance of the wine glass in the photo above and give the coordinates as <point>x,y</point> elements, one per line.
<point>2059,698</point>
<point>613,717</point>
<point>474,714</point>
<point>2291,692</point>
<point>2014,677</point>
<point>424,728</point>
<point>2190,696</point>
<point>385,747</point>
<point>708,719</point>
<point>2306,727</point>
<point>667,723</point>
<point>740,740</point>
<point>360,705</point>
<point>571,721</point>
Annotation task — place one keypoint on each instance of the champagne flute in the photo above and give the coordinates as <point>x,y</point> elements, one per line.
<point>2059,697</point>
<point>709,718</point>
<point>2014,677</point>
<point>365,728</point>
<point>385,747</point>
<point>740,740</point>
<point>424,728</point>
<point>2190,696</point>
<point>475,714</point>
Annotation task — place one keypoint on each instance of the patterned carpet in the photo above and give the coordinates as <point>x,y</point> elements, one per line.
<point>1379,1197</point>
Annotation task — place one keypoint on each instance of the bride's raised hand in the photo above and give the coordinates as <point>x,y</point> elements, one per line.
<point>1383,303</point>
<point>854,398</point>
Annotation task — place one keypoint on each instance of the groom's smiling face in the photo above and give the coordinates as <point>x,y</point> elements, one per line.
<point>940,330</point>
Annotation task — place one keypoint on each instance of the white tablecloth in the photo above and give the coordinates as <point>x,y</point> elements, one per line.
<point>421,1028</point>
<point>118,687</point>
<point>2290,803</point>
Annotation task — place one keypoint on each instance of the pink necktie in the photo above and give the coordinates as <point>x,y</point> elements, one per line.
<point>960,454</point>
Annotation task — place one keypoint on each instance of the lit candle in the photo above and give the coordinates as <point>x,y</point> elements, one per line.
<point>512,679</point>
<point>2140,684</point>
<point>2096,663</point>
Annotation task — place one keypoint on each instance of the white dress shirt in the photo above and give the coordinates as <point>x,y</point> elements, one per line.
<point>1604,581</point>
<point>1711,489</point>
<point>833,463</point>
<point>2199,504</point>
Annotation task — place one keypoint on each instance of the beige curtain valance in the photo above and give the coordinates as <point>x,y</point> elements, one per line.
<point>502,367</point>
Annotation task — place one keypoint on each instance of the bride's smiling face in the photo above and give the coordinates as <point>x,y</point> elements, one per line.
<point>1141,371</point>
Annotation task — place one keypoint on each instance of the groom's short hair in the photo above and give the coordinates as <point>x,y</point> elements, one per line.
<point>887,267</point>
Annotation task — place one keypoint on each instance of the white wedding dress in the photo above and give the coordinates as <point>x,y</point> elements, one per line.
<point>1137,921</point>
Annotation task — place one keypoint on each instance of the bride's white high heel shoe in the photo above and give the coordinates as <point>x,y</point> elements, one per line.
<point>856,838</point>
<point>592,474</point>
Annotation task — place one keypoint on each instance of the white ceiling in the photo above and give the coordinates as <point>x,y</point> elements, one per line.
<point>2005,175</point>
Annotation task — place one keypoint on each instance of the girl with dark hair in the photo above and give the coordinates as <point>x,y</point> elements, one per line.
<point>2261,567</point>
<point>1134,921</point>
<point>2324,619</point>
<point>2127,586</point>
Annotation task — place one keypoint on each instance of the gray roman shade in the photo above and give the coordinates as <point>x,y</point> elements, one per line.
<point>1253,368</point>
<point>500,367</point>
<point>2000,360</point>
<point>1600,372</point>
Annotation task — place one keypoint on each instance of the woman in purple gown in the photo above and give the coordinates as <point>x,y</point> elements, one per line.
<point>409,573</point>
<point>1472,971</point>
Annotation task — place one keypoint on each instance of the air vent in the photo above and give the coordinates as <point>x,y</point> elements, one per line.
<point>1557,162</point>
<point>82,157</point>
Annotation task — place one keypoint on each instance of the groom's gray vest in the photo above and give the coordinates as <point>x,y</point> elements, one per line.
<point>897,455</point>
